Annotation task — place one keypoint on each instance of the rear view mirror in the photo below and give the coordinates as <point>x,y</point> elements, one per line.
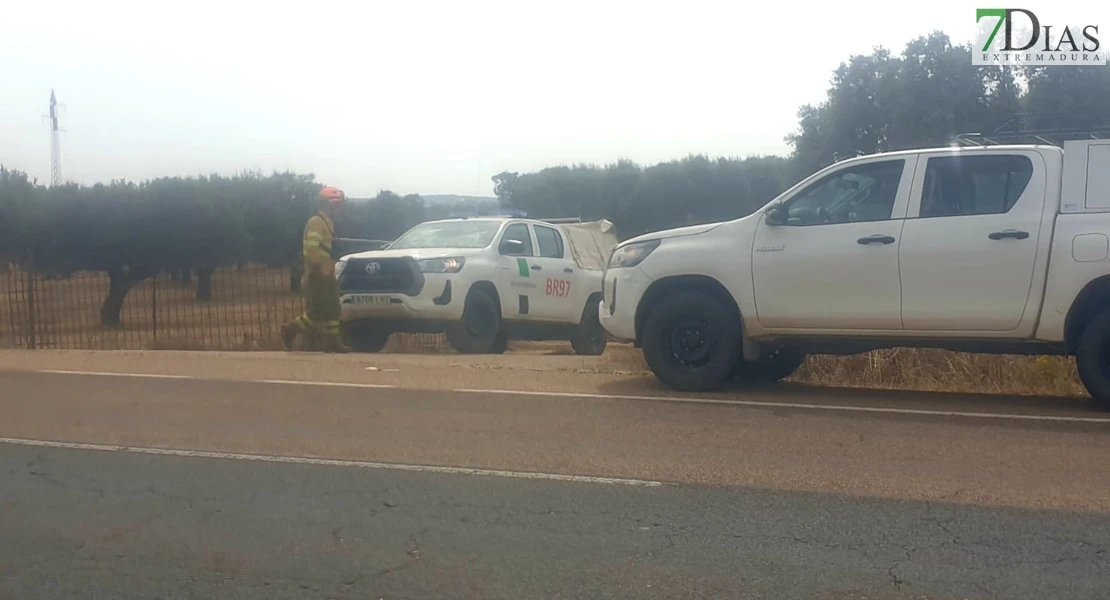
<point>776,215</point>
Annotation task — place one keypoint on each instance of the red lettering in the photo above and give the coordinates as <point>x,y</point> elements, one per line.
<point>557,287</point>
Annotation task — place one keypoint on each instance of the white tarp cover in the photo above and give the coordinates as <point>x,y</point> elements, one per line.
<point>591,242</point>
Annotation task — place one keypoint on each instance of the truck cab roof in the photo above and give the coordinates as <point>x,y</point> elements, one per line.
<point>969,149</point>
<point>502,218</point>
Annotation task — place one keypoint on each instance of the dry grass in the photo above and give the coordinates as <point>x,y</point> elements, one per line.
<point>249,307</point>
<point>938,370</point>
<point>900,368</point>
<point>246,312</point>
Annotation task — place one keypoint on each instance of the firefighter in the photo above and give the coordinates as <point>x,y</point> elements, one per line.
<point>320,321</point>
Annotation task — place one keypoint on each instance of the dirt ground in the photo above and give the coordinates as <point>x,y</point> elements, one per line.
<point>901,368</point>
<point>249,307</point>
<point>246,311</point>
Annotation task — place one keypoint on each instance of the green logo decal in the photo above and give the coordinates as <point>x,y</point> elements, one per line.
<point>1000,13</point>
<point>522,266</point>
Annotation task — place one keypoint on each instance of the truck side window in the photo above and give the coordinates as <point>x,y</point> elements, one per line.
<point>550,242</point>
<point>518,232</point>
<point>856,194</point>
<point>974,185</point>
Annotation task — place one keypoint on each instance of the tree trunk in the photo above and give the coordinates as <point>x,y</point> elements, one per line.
<point>204,284</point>
<point>120,283</point>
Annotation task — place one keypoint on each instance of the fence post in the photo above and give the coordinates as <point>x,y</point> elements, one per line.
<point>154,304</point>
<point>31,303</point>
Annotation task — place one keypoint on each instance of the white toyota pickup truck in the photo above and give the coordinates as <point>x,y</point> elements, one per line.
<point>999,249</point>
<point>482,281</point>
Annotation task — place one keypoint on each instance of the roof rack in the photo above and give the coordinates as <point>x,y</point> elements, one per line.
<point>1041,128</point>
<point>561,220</point>
<point>517,213</point>
<point>473,213</point>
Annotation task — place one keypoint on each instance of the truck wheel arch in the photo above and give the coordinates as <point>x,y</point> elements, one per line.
<point>1092,299</point>
<point>594,296</point>
<point>661,288</point>
<point>594,299</point>
<point>489,288</point>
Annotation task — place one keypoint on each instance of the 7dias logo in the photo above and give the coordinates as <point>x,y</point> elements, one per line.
<point>1037,45</point>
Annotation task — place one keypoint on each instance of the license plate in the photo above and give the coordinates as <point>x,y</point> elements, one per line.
<point>371,300</point>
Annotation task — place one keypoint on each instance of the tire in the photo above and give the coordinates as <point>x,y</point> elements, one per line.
<point>365,337</point>
<point>686,318</point>
<point>774,365</point>
<point>501,344</point>
<point>1092,359</point>
<point>479,329</point>
<point>589,337</point>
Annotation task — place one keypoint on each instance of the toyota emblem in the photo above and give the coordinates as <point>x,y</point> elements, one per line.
<point>373,268</point>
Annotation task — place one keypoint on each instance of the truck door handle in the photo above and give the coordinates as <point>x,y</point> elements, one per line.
<point>536,267</point>
<point>1009,233</point>
<point>873,239</point>
<point>568,270</point>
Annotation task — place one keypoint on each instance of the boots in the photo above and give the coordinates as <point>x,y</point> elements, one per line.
<point>289,336</point>
<point>313,340</point>
<point>333,344</point>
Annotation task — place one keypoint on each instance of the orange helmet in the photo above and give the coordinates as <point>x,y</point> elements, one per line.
<point>332,195</point>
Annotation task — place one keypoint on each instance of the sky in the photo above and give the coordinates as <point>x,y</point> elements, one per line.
<point>422,97</point>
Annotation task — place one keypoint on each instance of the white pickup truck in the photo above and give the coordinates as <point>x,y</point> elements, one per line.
<point>481,280</point>
<point>999,249</point>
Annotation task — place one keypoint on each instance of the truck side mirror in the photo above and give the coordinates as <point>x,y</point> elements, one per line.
<point>776,215</point>
<point>511,247</point>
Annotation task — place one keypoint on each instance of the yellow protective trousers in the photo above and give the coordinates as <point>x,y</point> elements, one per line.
<point>321,306</point>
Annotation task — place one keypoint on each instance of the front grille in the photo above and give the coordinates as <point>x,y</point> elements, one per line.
<point>392,275</point>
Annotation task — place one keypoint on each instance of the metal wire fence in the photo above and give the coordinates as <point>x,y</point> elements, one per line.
<point>246,310</point>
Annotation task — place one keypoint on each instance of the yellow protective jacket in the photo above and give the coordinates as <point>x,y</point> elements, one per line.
<point>317,245</point>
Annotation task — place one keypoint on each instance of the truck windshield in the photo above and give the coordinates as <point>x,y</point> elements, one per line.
<point>453,234</point>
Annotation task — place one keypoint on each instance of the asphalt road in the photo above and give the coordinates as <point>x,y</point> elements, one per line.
<point>716,500</point>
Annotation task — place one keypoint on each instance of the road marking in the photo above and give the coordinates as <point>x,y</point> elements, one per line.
<point>687,400</point>
<point>332,462</point>
<point>157,376</point>
<point>108,374</point>
<point>762,404</point>
<point>328,383</point>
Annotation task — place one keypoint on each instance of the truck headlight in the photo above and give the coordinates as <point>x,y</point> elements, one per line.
<point>339,266</point>
<point>632,254</point>
<point>441,265</point>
